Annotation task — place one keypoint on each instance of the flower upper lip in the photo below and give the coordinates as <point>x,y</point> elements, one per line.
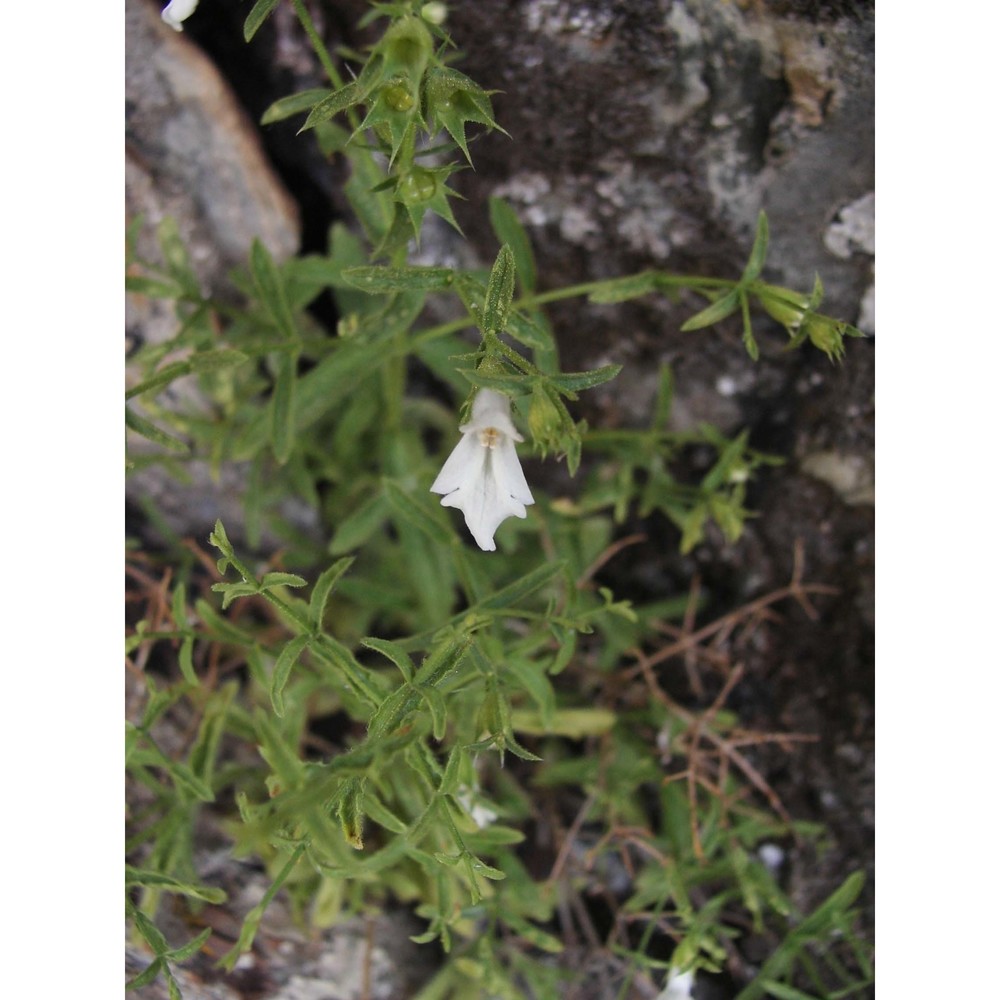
<point>176,11</point>
<point>482,476</point>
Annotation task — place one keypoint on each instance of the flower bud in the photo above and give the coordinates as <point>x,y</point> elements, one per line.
<point>827,334</point>
<point>784,305</point>
<point>435,13</point>
<point>415,186</point>
<point>545,421</point>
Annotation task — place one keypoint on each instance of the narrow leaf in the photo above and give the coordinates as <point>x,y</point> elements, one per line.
<point>499,292</point>
<point>510,232</point>
<point>414,513</point>
<point>324,587</point>
<point>153,433</point>
<point>717,311</point>
<point>393,652</point>
<point>282,670</point>
<point>567,382</point>
<point>758,253</point>
<point>294,104</point>
<point>270,287</point>
<point>399,279</point>
<point>519,589</point>
<point>336,102</point>
<point>283,408</point>
<point>257,16</point>
<point>622,289</point>
<point>282,580</point>
<point>159,880</point>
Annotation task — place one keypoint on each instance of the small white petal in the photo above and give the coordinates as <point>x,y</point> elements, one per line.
<point>510,475</point>
<point>679,986</point>
<point>177,11</point>
<point>465,458</point>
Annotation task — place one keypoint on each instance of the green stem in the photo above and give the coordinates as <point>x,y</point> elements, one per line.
<point>317,43</point>
<point>696,284</point>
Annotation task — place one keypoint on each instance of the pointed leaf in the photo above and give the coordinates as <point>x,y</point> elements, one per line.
<point>499,292</point>
<point>153,433</point>
<point>257,16</point>
<point>294,104</point>
<point>332,105</point>
<point>399,279</point>
<point>510,232</point>
<point>282,670</point>
<point>624,289</point>
<point>567,382</point>
<point>759,252</point>
<point>393,652</point>
<point>324,587</point>
<point>283,408</point>
<point>717,311</point>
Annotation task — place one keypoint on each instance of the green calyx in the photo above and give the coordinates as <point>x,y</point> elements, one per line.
<point>452,99</point>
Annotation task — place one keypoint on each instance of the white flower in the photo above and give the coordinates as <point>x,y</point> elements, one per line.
<point>177,11</point>
<point>483,476</point>
<point>481,815</point>
<point>679,986</point>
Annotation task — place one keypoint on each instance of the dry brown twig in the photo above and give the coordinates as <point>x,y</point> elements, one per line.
<point>710,754</point>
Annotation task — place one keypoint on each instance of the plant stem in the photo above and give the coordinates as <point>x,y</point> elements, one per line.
<point>305,18</point>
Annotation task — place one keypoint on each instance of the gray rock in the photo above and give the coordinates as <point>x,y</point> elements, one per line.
<point>193,154</point>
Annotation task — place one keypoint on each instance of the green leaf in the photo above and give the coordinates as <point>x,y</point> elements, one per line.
<point>758,253</point>
<point>333,104</point>
<point>324,587</point>
<point>148,975</point>
<point>510,232</point>
<point>337,375</point>
<point>532,934</point>
<point>393,652</point>
<point>377,811</point>
<point>186,660</point>
<point>282,670</point>
<point>183,778</point>
<point>377,280</point>
<point>175,254</point>
<point>252,921</point>
<point>529,332</point>
<point>257,16</point>
<point>359,526</point>
<point>159,880</point>
<point>439,714</point>
<point>153,288</point>
<point>283,408</point>
<point>233,591</point>
<point>622,289</point>
<point>270,287</point>
<point>153,433</point>
<point>282,580</point>
<point>532,678</point>
<point>499,292</point>
<point>519,589</point>
<point>416,513</point>
<point>749,342</point>
<point>294,104</point>
<point>193,946</point>
<point>199,363</point>
<point>568,382</point>
<point>575,723</point>
<point>482,379</point>
<point>716,312</point>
